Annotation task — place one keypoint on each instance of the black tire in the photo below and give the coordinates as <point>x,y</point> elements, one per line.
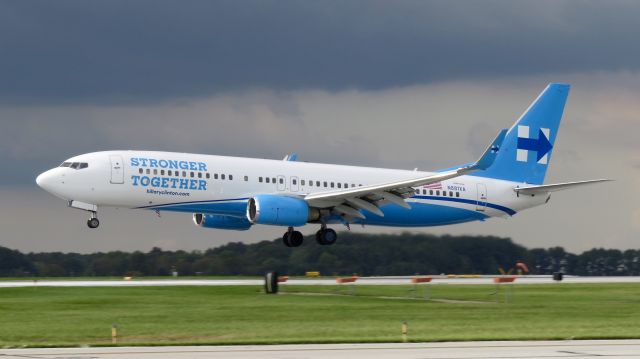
<point>326,237</point>
<point>93,223</point>
<point>296,239</point>
<point>271,283</point>
<point>286,239</point>
<point>330,236</point>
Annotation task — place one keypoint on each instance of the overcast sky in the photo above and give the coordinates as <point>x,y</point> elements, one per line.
<point>398,84</point>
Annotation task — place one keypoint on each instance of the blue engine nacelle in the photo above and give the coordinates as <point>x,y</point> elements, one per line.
<point>221,222</point>
<point>278,210</point>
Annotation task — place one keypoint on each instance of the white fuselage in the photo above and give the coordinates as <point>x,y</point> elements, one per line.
<point>197,183</point>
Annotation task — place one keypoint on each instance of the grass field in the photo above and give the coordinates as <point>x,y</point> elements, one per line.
<point>50,316</point>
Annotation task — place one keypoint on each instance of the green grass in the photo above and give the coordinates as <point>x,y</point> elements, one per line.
<point>51,316</point>
<point>104,278</point>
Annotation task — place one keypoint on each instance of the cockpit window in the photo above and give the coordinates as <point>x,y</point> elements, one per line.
<point>75,165</point>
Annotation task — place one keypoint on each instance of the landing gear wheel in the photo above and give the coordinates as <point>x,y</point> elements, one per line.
<point>326,236</point>
<point>93,222</point>
<point>292,238</point>
<point>296,239</point>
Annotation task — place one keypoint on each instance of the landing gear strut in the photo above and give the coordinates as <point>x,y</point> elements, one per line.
<point>326,236</point>
<point>93,222</point>
<point>292,238</point>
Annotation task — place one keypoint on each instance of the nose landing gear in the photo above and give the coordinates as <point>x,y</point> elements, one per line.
<point>93,222</point>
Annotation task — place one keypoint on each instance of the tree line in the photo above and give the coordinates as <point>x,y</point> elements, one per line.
<point>364,254</point>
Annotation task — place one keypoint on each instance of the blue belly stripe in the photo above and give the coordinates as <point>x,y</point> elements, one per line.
<point>507,210</point>
<point>421,214</point>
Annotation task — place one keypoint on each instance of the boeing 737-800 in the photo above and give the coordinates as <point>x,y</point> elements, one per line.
<point>235,193</point>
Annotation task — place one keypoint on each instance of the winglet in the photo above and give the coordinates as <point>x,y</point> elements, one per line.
<point>290,157</point>
<point>490,153</point>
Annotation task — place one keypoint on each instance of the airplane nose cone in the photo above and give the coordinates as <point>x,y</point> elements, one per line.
<point>45,180</point>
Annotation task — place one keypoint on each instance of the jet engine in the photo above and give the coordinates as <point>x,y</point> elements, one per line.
<point>280,211</point>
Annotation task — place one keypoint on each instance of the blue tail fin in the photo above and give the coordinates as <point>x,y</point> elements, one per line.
<point>526,151</point>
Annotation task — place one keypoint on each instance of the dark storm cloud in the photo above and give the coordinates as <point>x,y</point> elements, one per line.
<point>132,51</point>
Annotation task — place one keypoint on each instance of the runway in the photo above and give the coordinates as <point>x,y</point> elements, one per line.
<point>437,280</point>
<point>454,350</point>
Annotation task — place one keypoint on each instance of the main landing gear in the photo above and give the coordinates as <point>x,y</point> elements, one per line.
<point>93,222</point>
<point>325,236</point>
<point>292,238</point>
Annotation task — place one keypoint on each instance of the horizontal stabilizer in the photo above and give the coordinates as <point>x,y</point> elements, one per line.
<point>548,188</point>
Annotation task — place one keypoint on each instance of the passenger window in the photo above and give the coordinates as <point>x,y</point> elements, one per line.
<point>281,180</point>
<point>437,193</point>
<point>199,174</point>
<point>246,178</point>
<point>431,192</point>
<point>148,171</point>
<point>184,173</point>
<point>294,181</point>
<point>260,179</point>
<point>192,174</point>
<point>325,183</point>
<point>140,170</point>
<point>424,191</point>
<point>339,185</point>
<point>267,180</point>
<point>331,184</point>
<point>302,182</point>
<point>222,176</point>
<point>162,172</point>
<point>230,177</point>
<point>457,194</point>
<point>155,172</point>
<point>346,185</point>
<point>215,176</point>
<point>353,185</point>
<point>208,175</point>
<point>318,184</point>
<point>310,183</point>
<point>169,173</point>
<point>450,194</point>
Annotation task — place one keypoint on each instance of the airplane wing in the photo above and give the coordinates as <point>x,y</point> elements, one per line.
<point>349,202</point>
<point>548,188</point>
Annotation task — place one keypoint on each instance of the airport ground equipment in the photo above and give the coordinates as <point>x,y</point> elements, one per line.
<point>271,283</point>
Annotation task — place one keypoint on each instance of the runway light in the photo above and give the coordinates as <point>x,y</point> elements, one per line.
<point>114,333</point>
<point>405,332</point>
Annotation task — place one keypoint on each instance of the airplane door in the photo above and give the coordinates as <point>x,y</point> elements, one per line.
<point>294,184</point>
<point>117,169</point>
<point>482,197</point>
<point>282,183</point>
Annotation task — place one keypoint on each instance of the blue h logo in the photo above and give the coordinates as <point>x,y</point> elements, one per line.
<point>540,145</point>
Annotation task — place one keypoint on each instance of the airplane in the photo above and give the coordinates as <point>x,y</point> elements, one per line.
<point>234,193</point>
